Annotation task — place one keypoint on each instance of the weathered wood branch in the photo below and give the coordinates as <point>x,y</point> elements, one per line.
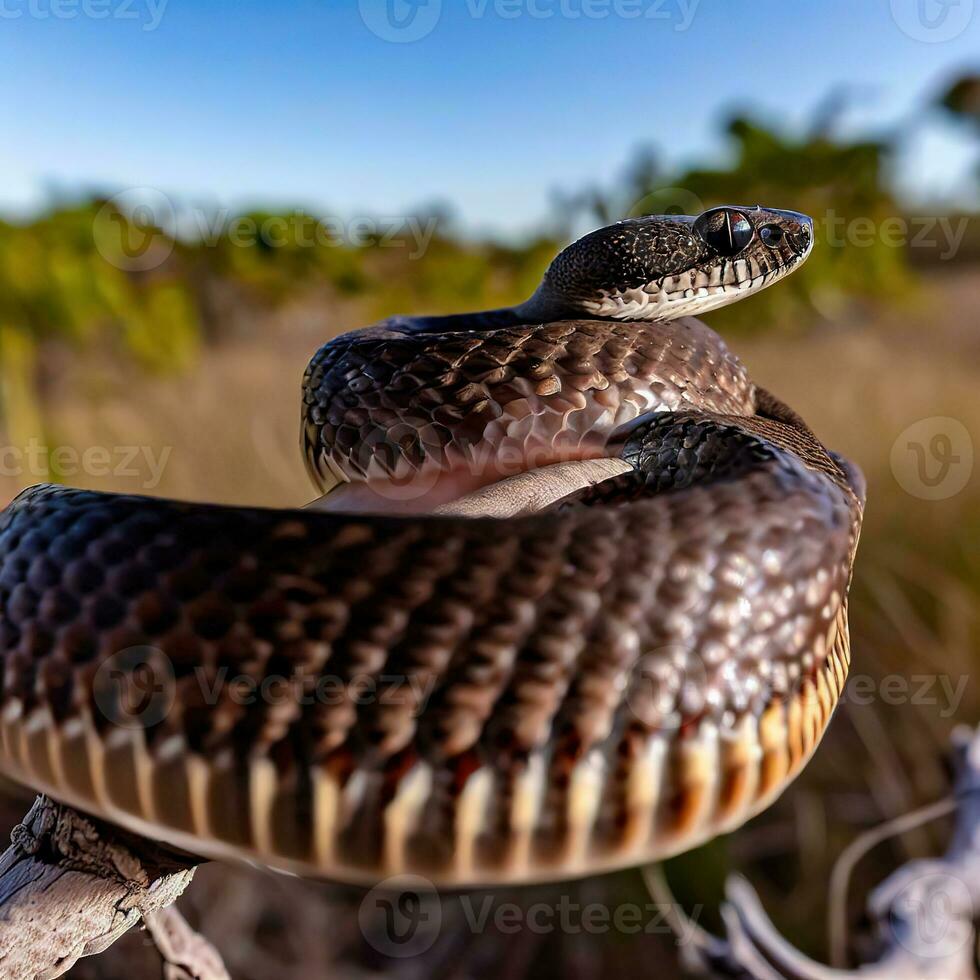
<point>70,886</point>
<point>925,915</point>
<point>187,955</point>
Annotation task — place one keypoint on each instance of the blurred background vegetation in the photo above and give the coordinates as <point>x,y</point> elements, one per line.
<point>99,276</point>
<point>198,347</point>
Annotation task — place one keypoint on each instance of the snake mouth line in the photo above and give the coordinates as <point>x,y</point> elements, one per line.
<point>471,492</point>
<point>698,295</point>
<point>535,490</point>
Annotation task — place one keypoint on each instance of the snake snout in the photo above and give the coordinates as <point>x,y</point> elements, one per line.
<point>795,227</point>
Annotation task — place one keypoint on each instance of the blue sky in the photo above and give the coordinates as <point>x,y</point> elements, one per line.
<point>243,101</point>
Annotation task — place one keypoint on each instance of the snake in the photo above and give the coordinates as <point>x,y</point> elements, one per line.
<point>573,598</point>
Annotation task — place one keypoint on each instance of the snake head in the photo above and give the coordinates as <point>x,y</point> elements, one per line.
<point>662,267</point>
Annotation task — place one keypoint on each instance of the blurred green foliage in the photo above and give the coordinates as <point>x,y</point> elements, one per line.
<point>55,284</point>
<point>962,99</point>
<point>99,274</point>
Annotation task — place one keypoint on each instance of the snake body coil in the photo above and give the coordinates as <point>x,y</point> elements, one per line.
<point>633,669</point>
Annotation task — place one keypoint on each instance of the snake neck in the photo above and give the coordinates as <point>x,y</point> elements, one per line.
<point>485,320</point>
<point>540,308</point>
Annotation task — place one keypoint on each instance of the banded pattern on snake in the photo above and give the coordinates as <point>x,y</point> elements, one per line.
<point>642,661</point>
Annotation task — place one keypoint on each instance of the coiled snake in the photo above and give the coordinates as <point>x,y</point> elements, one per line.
<point>635,658</point>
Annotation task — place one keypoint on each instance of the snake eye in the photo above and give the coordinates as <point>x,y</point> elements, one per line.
<point>771,235</point>
<point>725,230</point>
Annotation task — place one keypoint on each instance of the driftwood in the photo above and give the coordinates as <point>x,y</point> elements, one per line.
<point>70,886</point>
<point>925,915</point>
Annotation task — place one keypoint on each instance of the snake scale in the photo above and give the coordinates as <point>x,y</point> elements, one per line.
<point>386,684</point>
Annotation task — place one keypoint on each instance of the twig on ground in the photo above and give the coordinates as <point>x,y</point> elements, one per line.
<point>840,877</point>
<point>71,885</point>
<point>187,955</point>
<point>925,913</point>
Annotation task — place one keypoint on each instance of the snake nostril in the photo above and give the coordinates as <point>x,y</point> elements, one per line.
<point>804,238</point>
<point>771,235</point>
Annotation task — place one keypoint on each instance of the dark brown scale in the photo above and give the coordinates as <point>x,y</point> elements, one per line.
<point>443,622</point>
<point>613,820</point>
<point>493,846</point>
<point>431,845</point>
<point>480,666</point>
<point>364,835</point>
<point>589,708</point>
<point>551,835</point>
